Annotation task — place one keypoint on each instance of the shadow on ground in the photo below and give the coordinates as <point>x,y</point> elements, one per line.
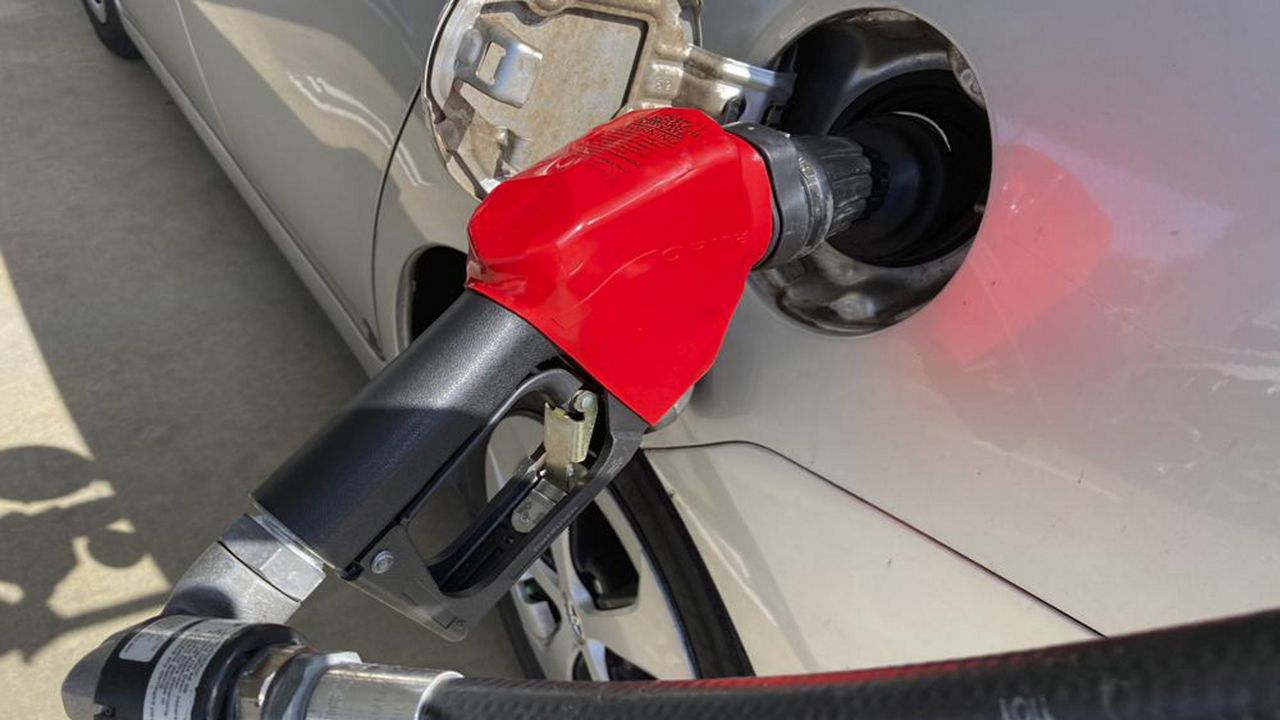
<point>188,356</point>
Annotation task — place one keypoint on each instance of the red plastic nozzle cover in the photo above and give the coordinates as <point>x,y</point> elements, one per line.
<point>630,249</point>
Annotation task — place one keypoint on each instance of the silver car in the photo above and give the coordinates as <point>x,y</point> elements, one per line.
<point>1039,402</point>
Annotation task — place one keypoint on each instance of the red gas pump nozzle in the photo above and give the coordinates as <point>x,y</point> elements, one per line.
<point>601,284</point>
<point>630,248</point>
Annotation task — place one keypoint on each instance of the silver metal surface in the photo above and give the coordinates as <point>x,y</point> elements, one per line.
<point>251,574</point>
<point>159,30</point>
<point>373,692</point>
<point>872,580</point>
<point>257,681</point>
<point>268,548</point>
<point>188,95</point>
<point>301,91</point>
<point>218,584</point>
<point>498,72</point>
<point>293,683</point>
<point>297,683</point>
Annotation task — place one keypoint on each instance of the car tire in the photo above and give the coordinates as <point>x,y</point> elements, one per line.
<point>702,622</point>
<point>104,15</point>
<point>713,641</point>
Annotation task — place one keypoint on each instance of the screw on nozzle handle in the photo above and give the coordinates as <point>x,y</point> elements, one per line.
<point>821,184</point>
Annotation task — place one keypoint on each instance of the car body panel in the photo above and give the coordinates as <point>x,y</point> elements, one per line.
<point>421,207</point>
<point>314,102</point>
<point>162,24</point>
<point>816,579</point>
<point>289,247</point>
<point>1090,407</point>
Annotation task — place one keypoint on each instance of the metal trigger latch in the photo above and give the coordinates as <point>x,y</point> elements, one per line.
<point>566,441</point>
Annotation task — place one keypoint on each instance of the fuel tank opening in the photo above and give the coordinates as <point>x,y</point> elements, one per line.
<point>894,84</point>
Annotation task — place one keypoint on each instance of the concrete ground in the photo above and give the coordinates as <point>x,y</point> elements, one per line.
<point>158,358</point>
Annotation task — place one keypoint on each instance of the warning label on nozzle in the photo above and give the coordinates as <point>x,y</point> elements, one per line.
<point>175,680</point>
<point>629,145</point>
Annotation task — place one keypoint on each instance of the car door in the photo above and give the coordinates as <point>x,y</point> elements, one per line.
<point>311,98</point>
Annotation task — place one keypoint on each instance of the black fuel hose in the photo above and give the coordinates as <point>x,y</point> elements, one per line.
<point>1222,669</point>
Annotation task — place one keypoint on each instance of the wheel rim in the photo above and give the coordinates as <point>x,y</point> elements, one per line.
<point>99,10</point>
<point>636,636</point>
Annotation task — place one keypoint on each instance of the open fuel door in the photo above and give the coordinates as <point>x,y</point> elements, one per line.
<point>511,81</point>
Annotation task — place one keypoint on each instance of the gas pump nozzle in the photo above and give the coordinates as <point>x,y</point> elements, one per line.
<point>600,285</point>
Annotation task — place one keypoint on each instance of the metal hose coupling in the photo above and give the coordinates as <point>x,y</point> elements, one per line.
<point>179,667</point>
<point>292,683</point>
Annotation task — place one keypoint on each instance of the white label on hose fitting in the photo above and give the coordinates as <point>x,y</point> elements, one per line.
<point>171,691</point>
<point>144,645</point>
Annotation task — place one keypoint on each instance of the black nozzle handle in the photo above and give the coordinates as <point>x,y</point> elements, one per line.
<point>351,494</point>
<point>1224,669</point>
<point>340,491</point>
